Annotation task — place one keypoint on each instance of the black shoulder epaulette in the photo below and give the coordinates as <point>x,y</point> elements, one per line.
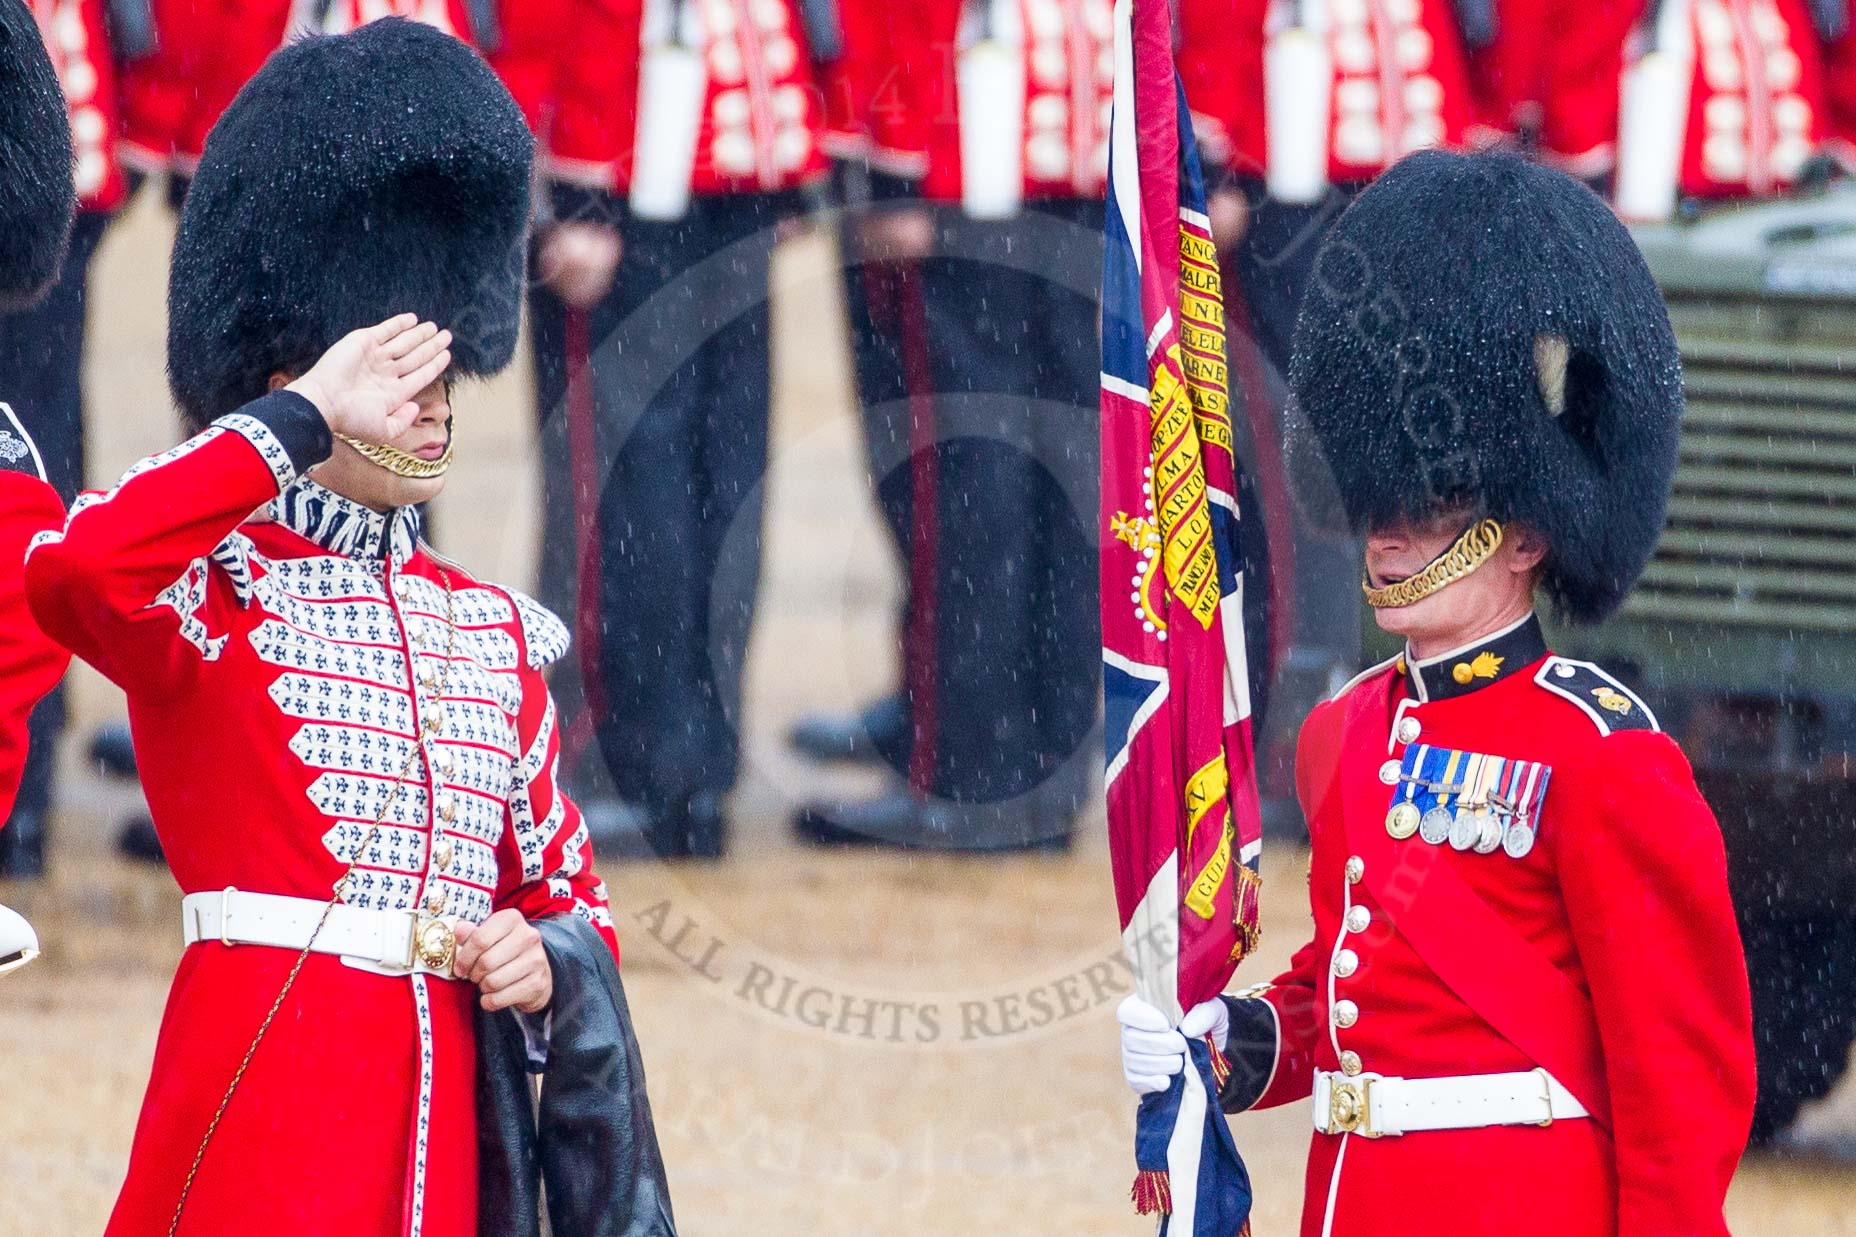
<point>1611,705</point>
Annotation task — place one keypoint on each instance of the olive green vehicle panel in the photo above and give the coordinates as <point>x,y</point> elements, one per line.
<point>1753,586</point>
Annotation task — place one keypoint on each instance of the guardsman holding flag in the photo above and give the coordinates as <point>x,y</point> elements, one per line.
<point>1184,829</point>
<point>1524,1009</point>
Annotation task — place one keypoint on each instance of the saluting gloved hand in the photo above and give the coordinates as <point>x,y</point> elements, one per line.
<point>366,385</point>
<point>1152,1052</point>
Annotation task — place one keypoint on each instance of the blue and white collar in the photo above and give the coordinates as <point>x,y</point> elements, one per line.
<point>342,526</point>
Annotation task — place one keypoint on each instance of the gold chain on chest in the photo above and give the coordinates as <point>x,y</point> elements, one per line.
<point>341,888</point>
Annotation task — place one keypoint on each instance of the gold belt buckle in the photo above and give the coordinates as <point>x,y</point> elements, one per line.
<point>434,944</point>
<point>1350,1107</point>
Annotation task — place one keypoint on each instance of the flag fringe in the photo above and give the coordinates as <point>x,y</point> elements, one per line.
<point>1221,1064</point>
<point>1151,1193</point>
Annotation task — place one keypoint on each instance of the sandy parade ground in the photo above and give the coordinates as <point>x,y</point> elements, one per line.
<point>836,1043</point>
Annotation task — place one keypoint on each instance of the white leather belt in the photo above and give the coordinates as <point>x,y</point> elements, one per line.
<point>384,942</point>
<point>1374,1106</point>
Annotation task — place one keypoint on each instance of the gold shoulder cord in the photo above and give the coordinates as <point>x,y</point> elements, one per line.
<point>341,889</point>
<point>1471,550</point>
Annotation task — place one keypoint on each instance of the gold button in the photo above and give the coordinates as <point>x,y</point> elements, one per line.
<point>441,856</point>
<point>435,901</point>
<point>1356,870</point>
<point>1462,673</point>
<point>1409,729</point>
<point>434,719</point>
<point>1358,917</point>
<point>1350,1063</point>
<point>1346,962</point>
<point>1389,771</point>
<point>447,809</point>
<point>429,681</point>
<point>1346,1013</point>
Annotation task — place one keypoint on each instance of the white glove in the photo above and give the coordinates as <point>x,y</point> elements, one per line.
<point>1151,1051</point>
<point>1211,1018</point>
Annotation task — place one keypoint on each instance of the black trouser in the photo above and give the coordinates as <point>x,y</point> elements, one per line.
<point>42,378</point>
<point>1011,675</point>
<point>672,438</point>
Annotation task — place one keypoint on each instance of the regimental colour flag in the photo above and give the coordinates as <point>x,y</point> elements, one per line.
<point>1184,828</point>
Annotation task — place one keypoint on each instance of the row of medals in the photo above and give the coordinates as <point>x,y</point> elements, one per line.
<point>1473,826</point>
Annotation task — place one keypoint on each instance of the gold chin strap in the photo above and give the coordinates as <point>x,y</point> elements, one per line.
<point>1471,550</point>
<point>402,464</point>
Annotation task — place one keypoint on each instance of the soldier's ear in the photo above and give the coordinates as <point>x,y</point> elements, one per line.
<point>1552,356</point>
<point>1528,549</point>
<point>279,381</point>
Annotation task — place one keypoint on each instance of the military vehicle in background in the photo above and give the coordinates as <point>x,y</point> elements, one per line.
<point>1742,633</point>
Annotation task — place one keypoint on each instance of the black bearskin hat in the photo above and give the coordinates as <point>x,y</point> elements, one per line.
<point>357,176</point>
<point>1481,333</point>
<point>36,197</point>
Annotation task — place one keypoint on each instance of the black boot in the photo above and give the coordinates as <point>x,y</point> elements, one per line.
<point>865,737</point>
<point>22,845</point>
<point>138,841</point>
<point>113,751</point>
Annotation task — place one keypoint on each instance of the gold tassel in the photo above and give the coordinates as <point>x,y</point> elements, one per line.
<point>1151,1193</point>
<point>1221,1065</point>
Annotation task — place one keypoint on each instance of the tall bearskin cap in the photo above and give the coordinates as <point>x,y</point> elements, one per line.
<point>357,176</point>
<point>1480,333</point>
<point>36,197</point>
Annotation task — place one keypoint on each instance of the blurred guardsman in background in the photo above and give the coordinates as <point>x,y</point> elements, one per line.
<point>36,202</point>
<point>877,136</point>
<point>1524,953</point>
<point>364,879</point>
<point>999,673</point>
<point>685,142</point>
<point>1717,99</point>
<point>42,347</point>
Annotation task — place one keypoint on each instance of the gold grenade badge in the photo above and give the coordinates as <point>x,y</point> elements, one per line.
<point>1611,698</point>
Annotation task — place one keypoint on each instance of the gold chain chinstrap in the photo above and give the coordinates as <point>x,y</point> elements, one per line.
<point>1471,550</point>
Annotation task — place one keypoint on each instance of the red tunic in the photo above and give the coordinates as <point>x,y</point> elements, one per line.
<point>77,37</point>
<point>1607,955</point>
<point>1756,109</point>
<point>208,49</point>
<point>762,119</point>
<point>280,672</point>
<point>876,103</point>
<point>30,664</point>
<point>1553,68</point>
<point>1400,81</point>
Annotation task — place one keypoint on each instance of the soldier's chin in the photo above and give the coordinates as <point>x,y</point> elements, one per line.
<point>1423,615</point>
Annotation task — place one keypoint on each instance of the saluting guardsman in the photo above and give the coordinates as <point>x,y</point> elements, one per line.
<point>685,143</point>
<point>344,739</point>
<point>36,203</point>
<point>1524,1008</point>
<point>42,345</point>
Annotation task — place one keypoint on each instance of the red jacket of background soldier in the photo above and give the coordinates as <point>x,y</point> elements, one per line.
<point>1608,955</point>
<point>896,91</point>
<point>207,49</point>
<point>1400,80</point>
<point>30,663</point>
<point>1759,104</point>
<point>1552,71</point>
<point>77,37</point>
<point>876,90</point>
<point>761,122</point>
